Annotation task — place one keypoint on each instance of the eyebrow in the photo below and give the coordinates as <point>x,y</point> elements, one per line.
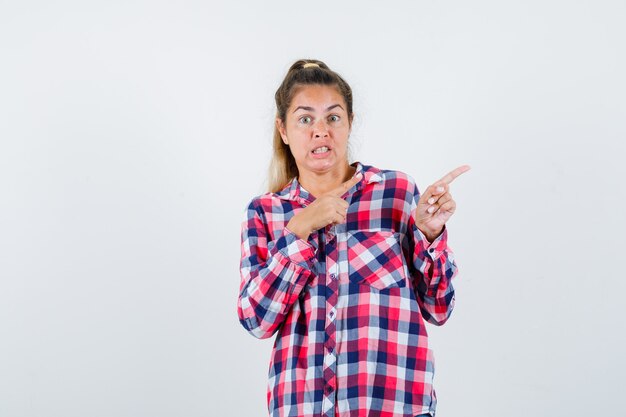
<point>307,108</point>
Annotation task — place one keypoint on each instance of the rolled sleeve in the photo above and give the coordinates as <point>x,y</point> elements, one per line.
<point>295,249</point>
<point>430,250</point>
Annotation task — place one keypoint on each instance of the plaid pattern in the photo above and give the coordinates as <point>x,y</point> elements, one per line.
<point>348,304</point>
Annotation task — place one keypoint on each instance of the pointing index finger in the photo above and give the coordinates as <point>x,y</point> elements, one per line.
<point>341,190</point>
<point>450,176</point>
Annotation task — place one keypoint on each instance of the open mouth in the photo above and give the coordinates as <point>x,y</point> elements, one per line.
<point>320,150</point>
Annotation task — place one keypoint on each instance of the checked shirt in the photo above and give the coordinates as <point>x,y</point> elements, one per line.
<point>348,305</point>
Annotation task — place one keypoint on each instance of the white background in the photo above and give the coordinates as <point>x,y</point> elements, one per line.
<point>133,134</point>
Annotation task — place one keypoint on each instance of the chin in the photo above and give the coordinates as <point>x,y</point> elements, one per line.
<point>323,165</point>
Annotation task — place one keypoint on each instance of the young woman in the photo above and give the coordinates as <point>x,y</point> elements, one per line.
<point>344,263</point>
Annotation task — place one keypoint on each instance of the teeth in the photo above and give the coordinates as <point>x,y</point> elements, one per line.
<point>321,149</point>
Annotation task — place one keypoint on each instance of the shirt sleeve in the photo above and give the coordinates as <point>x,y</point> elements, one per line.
<point>432,270</point>
<point>272,274</point>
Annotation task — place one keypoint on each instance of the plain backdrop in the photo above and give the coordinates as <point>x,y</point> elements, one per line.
<point>133,134</point>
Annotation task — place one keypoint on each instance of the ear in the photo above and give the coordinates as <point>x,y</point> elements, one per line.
<point>281,128</point>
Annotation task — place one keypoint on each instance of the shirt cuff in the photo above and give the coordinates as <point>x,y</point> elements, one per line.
<point>432,249</point>
<point>295,249</point>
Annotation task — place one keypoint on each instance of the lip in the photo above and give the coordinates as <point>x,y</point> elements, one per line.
<point>320,155</point>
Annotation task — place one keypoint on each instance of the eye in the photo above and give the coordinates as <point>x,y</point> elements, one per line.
<point>305,119</point>
<point>334,118</point>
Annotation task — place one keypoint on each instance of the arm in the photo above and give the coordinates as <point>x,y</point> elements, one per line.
<point>272,276</point>
<point>432,270</point>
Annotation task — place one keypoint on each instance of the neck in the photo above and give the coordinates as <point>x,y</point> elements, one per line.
<point>319,184</point>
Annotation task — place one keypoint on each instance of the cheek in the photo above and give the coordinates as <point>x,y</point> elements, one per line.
<point>342,141</point>
<point>298,150</point>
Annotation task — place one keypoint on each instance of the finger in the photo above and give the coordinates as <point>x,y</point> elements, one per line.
<point>439,201</point>
<point>341,216</point>
<point>449,207</point>
<point>336,218</point>
<point>338,204</point>
<point>450,176</point>
<point>343,188</point>
<point>332,201</point>
<point>442,185</point>
<point>433,192</point>
<point>342,208</point>
<point>436,197</point>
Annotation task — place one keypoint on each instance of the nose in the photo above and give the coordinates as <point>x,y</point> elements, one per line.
<point>320,129</point>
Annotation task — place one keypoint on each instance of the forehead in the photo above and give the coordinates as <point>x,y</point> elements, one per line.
<point>317,96</point>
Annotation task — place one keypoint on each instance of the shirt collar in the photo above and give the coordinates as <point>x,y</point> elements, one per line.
<point>295,192</point>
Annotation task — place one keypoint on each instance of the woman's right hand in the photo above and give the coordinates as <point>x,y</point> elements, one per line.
<point>327,209</point>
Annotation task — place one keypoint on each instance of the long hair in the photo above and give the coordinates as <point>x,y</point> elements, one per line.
<point>283,166</point>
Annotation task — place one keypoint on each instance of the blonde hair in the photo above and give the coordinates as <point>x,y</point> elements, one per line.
<point>283,166</point>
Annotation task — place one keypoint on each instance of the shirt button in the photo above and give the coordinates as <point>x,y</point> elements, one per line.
<point>431,250</point>
<point>331,314</point>
<point>333,276</point>
<point>329,389</point>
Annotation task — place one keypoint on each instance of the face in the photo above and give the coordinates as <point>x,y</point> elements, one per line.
<point>316,128</point>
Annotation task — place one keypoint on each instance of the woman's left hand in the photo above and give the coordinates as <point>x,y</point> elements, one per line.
<point>435,206</point>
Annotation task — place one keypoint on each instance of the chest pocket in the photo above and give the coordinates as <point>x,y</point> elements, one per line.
<point>375,258</point>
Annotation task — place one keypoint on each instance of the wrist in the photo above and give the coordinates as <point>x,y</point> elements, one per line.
<point>300,230</point>
<point>430,235</point>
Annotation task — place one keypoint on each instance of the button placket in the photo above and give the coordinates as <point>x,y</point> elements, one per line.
<point>332,313</point>
<point>332,290</point>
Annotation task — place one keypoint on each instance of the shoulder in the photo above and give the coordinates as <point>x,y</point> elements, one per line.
<point>261,203</point>
<point>256,203</point>
<point>267,203</point>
